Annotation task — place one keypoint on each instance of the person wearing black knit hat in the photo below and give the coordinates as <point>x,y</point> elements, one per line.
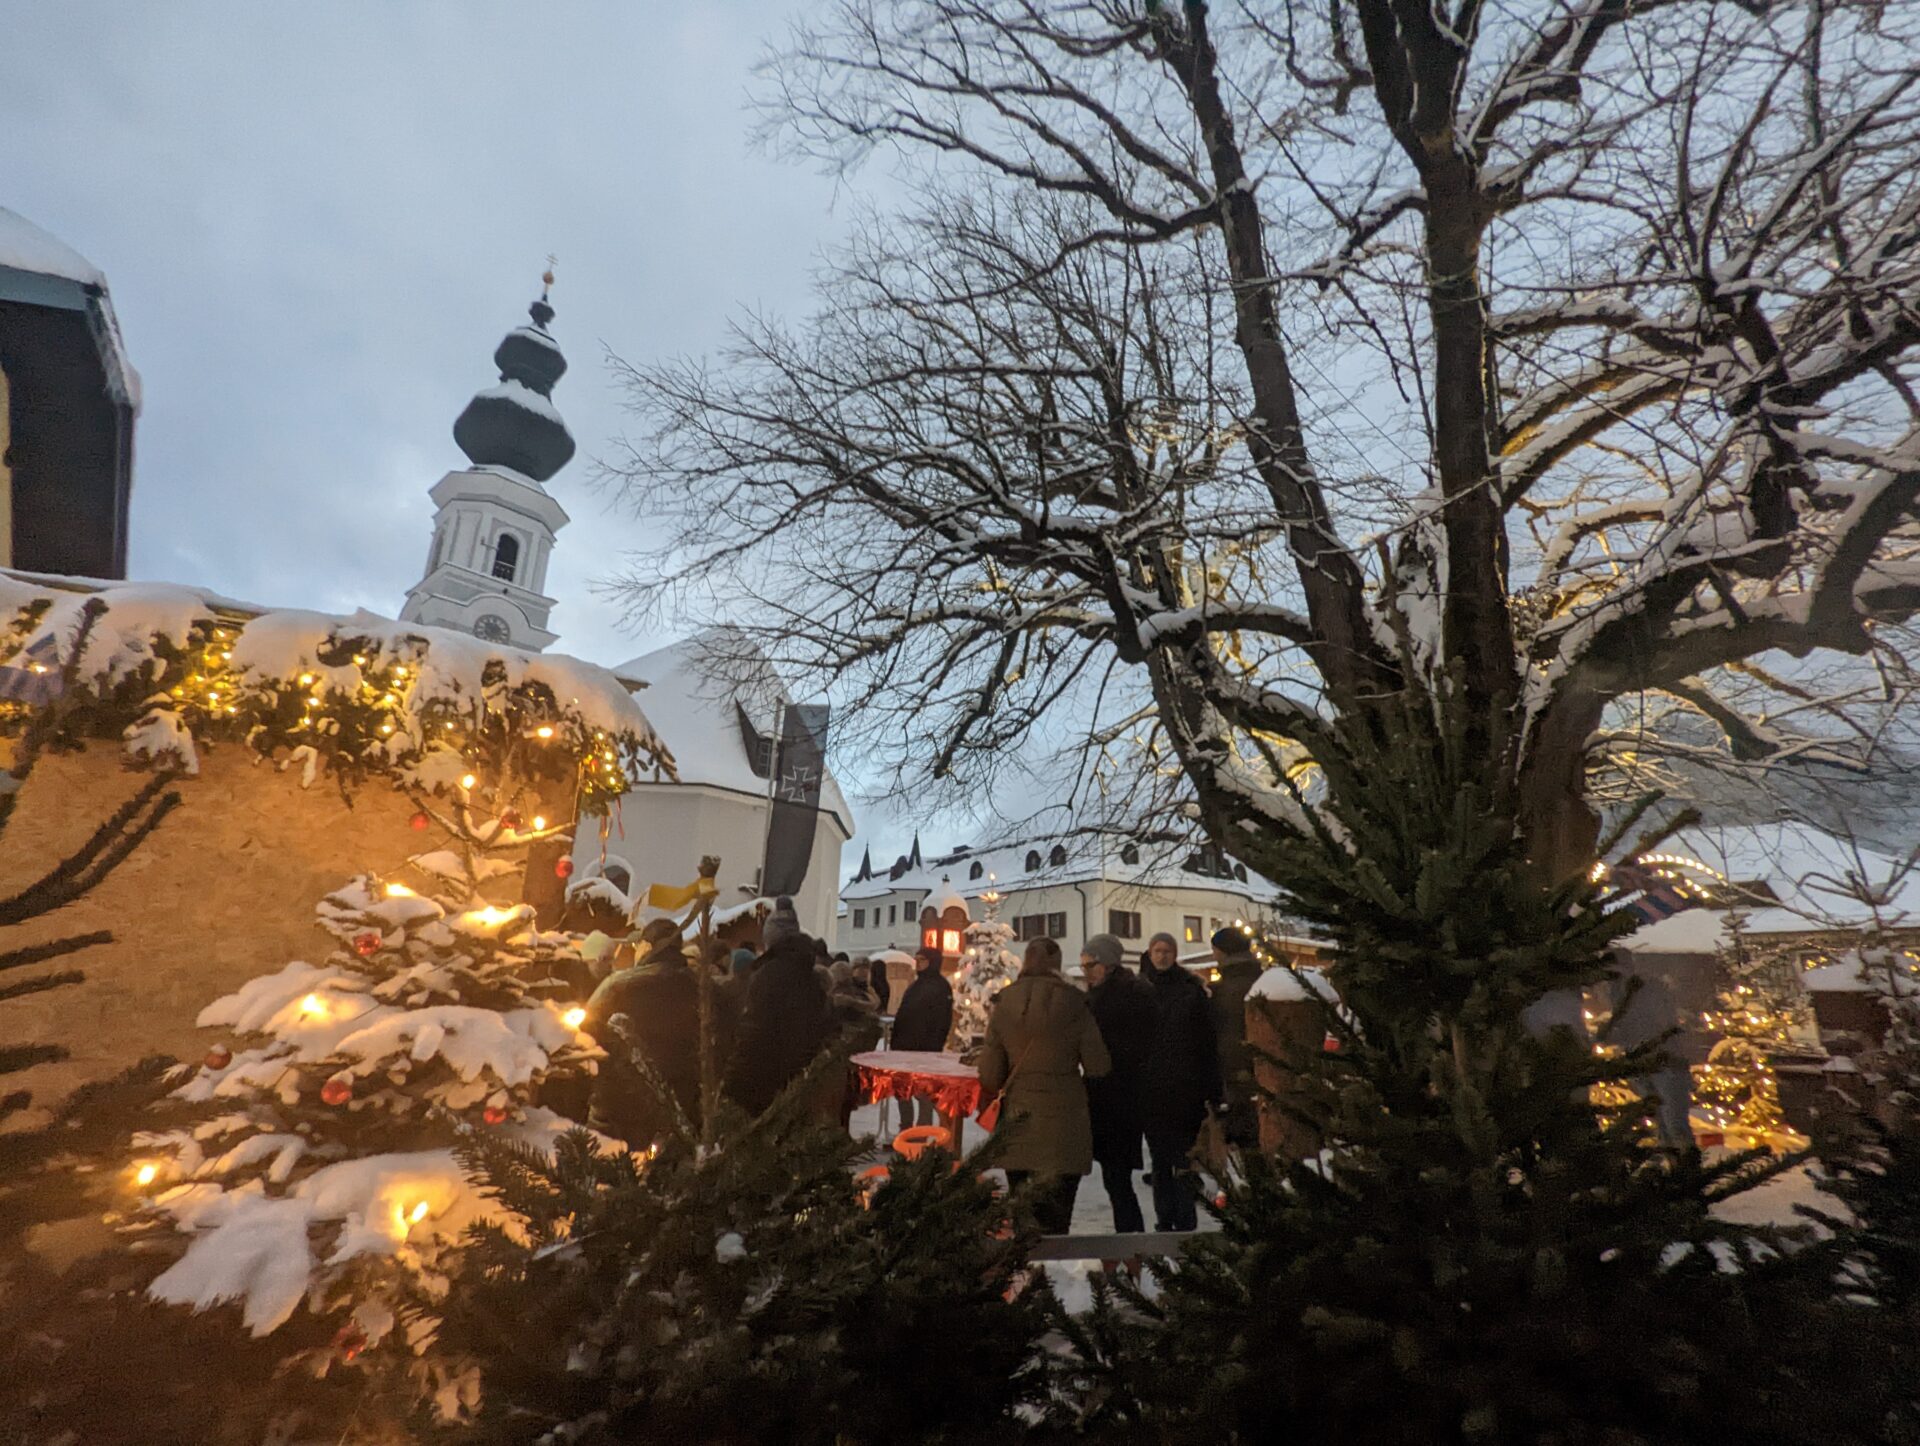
<point>1233,955</point>
<point>787,1017</point>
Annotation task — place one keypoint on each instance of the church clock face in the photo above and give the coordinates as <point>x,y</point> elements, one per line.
<point>493,628</point>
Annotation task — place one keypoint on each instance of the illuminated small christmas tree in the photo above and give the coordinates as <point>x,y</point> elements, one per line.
<point>988,966</point>
<point>322,1169</point>
<point>1759,1008</point>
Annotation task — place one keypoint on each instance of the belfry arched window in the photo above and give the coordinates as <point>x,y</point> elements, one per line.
<point>506,556</point>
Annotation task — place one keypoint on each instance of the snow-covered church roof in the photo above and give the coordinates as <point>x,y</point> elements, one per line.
<point>39,269</point>
<point>699,718</point>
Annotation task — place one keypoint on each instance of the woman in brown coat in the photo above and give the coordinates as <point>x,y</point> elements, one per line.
<point>1042,1045</point>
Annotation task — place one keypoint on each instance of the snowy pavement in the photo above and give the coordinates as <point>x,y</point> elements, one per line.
<point>1092,1211</point>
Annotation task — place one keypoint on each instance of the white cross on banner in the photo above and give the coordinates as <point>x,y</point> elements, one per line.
<point>800,785</point>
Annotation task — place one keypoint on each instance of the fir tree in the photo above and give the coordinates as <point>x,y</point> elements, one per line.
<point>1759,1008</point>
<point>738,1286</point>
<point>987,967</point>
<point>320,1169</point>
<point>1476,1256</point>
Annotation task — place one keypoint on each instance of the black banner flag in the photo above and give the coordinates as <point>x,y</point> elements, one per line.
<point>799,766</point>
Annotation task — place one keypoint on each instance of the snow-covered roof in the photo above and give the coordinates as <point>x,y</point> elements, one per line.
<point>30,251</point>
<point>695,715</point>
<point>1807,872</point>
<point>26,247</point>
<point>1083,858</point>
<point>1287,986</point>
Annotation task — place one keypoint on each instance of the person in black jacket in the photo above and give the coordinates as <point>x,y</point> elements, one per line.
<point>925,1018</point>
<point>660,998</point>
<point>1123,1007</point>
<point>1180,1082</point>
<point>787,1018</point>
<point>1239,970</point>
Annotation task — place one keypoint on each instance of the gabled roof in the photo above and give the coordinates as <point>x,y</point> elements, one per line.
<point>699,718</point>
<point>1081,860</point>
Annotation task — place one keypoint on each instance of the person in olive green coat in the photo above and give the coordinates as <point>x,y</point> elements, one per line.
<point>1042,1046</point>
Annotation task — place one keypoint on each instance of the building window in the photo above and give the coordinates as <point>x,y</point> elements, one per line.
<point>1240,872</point>
<point>1056,926</point>
<point>892,912</point>
<point>1030,926</point>
<point>859,918</point>
<point>1123,923</point>
<point>1190,928</point>
<point>506,556</point>
<point>1130,854</point>
<point>1058,856</point>
<point>977,870</point>
<point>1033,859</point>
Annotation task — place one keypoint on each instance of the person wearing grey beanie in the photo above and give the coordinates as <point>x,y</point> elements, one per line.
<point>782,923</point>
<point>1122,1007</point>
<point>1105,949</point>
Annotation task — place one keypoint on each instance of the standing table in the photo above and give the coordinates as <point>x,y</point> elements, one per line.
<point>909,1074</point>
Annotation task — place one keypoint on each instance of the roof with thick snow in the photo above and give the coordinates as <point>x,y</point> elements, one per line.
<point>38,268</point>
<point>698,717</point>
<point>1044,863</point>
<point>1819,882</point>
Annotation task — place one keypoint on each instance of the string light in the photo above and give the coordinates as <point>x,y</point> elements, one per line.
<point>468,780</point>
<point>539,823</point>
<point>574,1018</point>
<point>146,1174</point>
<point>313,1005</point>
<point>399,891</point>
<point>543,731</point>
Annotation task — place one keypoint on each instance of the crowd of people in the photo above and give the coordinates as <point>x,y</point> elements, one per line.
<point>1125,1073</point>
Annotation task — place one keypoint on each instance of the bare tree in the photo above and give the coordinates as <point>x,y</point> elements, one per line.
<point>1245,375</point>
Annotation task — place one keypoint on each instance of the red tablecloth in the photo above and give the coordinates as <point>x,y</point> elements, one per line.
<point>906,1074</point>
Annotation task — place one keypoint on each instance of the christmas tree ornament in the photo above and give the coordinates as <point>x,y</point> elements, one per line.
<point>418,823</point>
<point>563,868</point>
<point>510,818</point>
<point>494,1115</point>
<point>349,1341</point>
<point>367,944</point>
<point>219,1057</point>
<point>336,1091</point>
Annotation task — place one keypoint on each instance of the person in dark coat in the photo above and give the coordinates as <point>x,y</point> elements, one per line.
<point>924,1018</point>
<point>660,998</point>
<point>1233,955</point>
<point>787,1019</point>
<point>877,981</point>
<point>1042,1046</point>
<point>1123,1007</point>
<point>1180,1081</point>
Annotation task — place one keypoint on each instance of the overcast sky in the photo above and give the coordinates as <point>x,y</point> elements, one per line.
<point>317,221</point>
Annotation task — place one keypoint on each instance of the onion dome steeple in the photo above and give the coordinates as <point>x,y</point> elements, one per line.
<point>514,424</point>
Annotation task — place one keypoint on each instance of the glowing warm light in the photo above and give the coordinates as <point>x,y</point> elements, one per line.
<point>1597,872</point>
<point>543,731</point>
<point>399,672</point>
<point>399,891</point>
<point>146,1174</point>
<point>574,1018</point>
<point>360,659</point>
<point>313,1004</point>
<point>418,1213</point>
<point>950,941</point>
<point>468,780</point>
<point>539,822</point>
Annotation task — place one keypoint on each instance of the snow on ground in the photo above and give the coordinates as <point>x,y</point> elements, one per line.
<point>1092,1211</point>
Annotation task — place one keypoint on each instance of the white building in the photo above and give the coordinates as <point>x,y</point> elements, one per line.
<point>1067,890</point>
<point>494,524</point>
<point>721,804</point>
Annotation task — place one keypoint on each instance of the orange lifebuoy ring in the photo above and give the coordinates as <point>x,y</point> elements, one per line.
<point>911,1144</point>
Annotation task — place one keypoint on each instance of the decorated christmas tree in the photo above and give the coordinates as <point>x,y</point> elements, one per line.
<point>322,1170</point>
<point>1758,1011</point>
<point>987,966</point>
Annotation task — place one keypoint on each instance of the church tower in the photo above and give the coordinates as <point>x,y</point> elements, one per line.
<point>494,523</point>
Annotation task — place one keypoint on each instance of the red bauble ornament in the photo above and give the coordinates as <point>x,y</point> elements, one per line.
<point>219,1057</point>
<point>349,1341</point>
<point>511,818</point>
<point>336,1092</point>
<point>365,944</point>
<point>494,1115</point>
<point>418,823</point>
<point>1220,1201</point>
<point>1331,1044</point>
<point>563,868</point>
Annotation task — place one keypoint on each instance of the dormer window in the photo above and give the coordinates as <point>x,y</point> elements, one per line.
<point>1058,856</point>
<point>506,556</point>
<point>1033,859</point>
<point>976,870</point>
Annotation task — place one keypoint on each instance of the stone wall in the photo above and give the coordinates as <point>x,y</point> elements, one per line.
<point>223,891</point>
